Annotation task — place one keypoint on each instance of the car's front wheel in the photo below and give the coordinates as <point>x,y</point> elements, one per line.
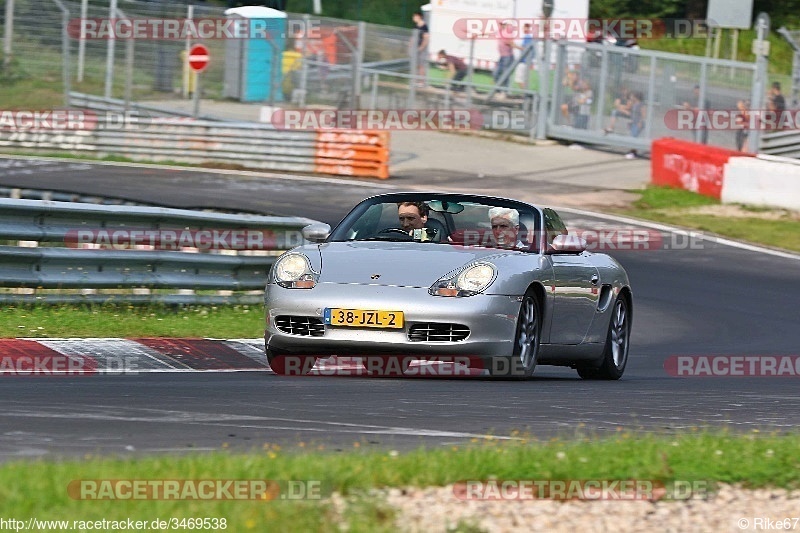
<point>615,355</point>
<point>288,364</point>
<point>526,343</point>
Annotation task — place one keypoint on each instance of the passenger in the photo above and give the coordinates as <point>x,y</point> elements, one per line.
<point>505,227</point>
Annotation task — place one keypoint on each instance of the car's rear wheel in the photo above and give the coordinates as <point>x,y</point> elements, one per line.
<point>526,343</point>
<point>289,365</point>
<point>615,355</point>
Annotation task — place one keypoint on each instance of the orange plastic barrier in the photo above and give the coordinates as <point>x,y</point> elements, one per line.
<point>353,153</point>
<point>691,166</point>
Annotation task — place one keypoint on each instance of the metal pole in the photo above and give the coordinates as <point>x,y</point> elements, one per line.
<point>701,100</point>
<point>601,98</point>
<point>470,71</point>
<point>128,74</point>
<point>82,42</point>
<point>413,48</point>
<point>196,96</point>
<point>9,33</point>
<point>735,49</point>
<point>374,94</point>
<point>544,90</point>
<point>651,89</point>
<point>112,13</point>
<point>361,42</point>
<point>304,62</point>
<point>187,72</point>
<point>64,49</point>
<point>760,78</point>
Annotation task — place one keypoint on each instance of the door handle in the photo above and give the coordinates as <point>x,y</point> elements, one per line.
<point>595,279</point>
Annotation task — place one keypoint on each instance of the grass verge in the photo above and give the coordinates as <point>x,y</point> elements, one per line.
<point>223,321</point>
<point>39,488</point>
<point>775,228</point>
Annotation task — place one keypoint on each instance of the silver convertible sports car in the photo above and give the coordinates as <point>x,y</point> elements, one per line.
<point>489,282</point>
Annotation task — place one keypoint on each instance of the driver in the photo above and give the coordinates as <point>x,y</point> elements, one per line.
<point>505,227</point>
<point>412,215</point>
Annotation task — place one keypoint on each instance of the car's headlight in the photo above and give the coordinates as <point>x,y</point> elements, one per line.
<point>469,281</point>
<point>293,271</point>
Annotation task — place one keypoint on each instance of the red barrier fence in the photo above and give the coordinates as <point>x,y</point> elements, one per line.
<point>691,166</point>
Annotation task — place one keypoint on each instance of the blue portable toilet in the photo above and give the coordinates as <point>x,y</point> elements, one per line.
<point>253,63</point>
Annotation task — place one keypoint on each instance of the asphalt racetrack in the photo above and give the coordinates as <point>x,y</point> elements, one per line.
<point>708,299</point>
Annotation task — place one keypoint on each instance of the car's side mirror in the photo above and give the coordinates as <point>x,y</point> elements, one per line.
<point>567,244</point>
<point>317,232</point>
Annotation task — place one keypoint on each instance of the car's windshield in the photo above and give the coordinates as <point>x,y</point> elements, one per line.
<point>441,220</point>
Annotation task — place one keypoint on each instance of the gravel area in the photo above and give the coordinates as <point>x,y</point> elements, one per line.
<point>436,509</point>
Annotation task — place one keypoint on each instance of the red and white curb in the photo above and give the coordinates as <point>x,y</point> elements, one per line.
<point>93,356</point>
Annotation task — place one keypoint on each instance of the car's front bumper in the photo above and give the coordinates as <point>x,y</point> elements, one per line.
<point>491,319</point>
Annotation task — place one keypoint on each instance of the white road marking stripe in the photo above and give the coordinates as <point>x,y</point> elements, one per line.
<point>681,231</point>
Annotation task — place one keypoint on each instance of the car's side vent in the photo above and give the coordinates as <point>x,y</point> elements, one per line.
<point>307,326</point>
<point>434,331</point>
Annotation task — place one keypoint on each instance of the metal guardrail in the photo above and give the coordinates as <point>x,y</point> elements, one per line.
<point>784,143</point>
<point>347,153</point>
<point>56,266</point>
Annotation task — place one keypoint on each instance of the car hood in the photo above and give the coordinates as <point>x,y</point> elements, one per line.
<point>406,264</point>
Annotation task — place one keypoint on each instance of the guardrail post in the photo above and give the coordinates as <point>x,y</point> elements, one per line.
<point>651,88</point>
<point>64,49</point>
<point>759,78</point>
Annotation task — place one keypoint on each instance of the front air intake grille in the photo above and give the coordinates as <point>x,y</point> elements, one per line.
<point>307,326</point>
<point>433,331</point>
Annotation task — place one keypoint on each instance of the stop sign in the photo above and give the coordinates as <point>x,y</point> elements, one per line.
<point>198,57</point>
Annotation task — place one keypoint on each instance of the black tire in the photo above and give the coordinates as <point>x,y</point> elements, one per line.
<point>615,354</point>
<point>527,340</point>
<point>289,365</point>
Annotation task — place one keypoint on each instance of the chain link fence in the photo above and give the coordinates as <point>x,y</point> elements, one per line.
<point>331,63</point>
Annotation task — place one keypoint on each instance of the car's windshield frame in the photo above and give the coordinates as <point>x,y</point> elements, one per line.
<point>340,232</point>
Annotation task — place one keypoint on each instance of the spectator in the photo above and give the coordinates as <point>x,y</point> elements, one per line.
<point>777,104</point>
<point>456,66</point>
<point>523,71</point>
<point>571,85</point>
<point>583,104</point>
<point>505,48</point>
<point>638,114</point>
<point>622,108</point>
<point>421,48</point>
<point>694,105</point>
<point>776,101</point>
<point>742,124</point>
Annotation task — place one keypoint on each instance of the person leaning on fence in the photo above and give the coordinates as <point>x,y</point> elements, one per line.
<point>622,109</point>
<point>638,114</point>
<point>694,105</point>
<point>457,68</point>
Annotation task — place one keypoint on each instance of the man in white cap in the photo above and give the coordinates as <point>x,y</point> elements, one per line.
<point>505,227</point>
